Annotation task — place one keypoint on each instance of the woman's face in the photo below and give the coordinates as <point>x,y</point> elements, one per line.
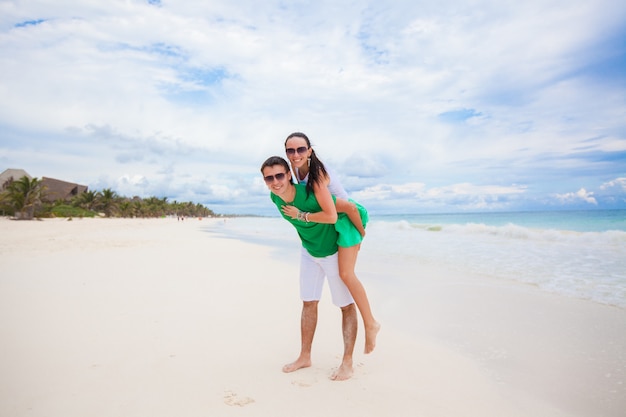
<point>277,180</point>
<point>297,151</point>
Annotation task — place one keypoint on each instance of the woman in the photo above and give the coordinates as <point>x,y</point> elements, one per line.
<point>309,170</point>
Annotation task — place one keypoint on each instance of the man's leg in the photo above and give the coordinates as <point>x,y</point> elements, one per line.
<point>343,299</point>
<point>308,323</point>
<point>349,325</point>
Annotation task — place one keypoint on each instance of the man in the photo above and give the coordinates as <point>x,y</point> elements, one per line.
<point>318,260</point>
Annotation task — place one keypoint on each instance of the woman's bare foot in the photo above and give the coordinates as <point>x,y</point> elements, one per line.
<point>343,373</point>
<point>298,364</point>
<point>370,337</point>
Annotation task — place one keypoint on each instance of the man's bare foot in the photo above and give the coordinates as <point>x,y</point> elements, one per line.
<point>298,364</point>
<point>343,373</point>
<point>370,337</point>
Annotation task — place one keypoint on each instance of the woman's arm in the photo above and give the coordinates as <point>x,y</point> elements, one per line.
<point>348,207</point>
<point>326,202</point>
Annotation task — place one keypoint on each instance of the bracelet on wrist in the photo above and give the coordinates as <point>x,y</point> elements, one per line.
<point>303,216</point>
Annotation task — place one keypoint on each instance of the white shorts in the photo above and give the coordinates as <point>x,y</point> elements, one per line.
<point>312,273</point>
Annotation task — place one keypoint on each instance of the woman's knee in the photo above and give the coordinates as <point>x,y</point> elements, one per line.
<point>347,275</point>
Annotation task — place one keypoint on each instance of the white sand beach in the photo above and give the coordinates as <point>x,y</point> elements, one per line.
<point>118,317</point>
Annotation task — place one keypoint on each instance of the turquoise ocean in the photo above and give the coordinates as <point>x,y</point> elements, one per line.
<point>580,254</point>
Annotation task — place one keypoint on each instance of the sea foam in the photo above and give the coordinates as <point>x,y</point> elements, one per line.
<point>588,265</point>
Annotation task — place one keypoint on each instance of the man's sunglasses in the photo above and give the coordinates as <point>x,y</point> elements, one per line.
<point>292,151</point>
<point>270,178</point>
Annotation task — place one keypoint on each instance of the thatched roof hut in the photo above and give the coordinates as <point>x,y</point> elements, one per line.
<point>10,175</point>
<point>61,190</point>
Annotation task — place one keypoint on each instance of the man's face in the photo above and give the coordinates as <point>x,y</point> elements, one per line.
<point>276,179</point>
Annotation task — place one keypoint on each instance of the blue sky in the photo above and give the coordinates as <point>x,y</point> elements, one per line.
<point>420,106</point>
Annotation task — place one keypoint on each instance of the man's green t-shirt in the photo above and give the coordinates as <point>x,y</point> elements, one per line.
<point>319,239</point>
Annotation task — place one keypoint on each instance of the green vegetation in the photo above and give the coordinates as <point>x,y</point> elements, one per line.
<point>22,197</point>
<point>65,210</point>
<point>25,199</point>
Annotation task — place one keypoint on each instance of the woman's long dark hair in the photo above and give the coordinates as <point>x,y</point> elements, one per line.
<point>317,170</point>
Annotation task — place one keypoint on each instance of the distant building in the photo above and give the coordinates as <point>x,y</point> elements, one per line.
<point>61,190</point>
<point>55,189</point>
<point>10,175</point>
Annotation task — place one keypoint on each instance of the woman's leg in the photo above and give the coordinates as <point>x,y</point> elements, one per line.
<point>347,262</point>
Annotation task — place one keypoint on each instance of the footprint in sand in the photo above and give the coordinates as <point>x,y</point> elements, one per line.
<point>304,384</point>
<point>232,399</point>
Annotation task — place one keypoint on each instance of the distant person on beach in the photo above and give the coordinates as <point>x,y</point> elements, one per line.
<point>318,260</point>
<point>322,182</point>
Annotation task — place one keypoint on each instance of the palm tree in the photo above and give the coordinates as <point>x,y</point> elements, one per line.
<point>86,200</point>
<point>140,209</point>
<point>4,201</point>
<point>23,196</point>
<point>156,207</point>
<point>126,209</point>
<point>108,201</point>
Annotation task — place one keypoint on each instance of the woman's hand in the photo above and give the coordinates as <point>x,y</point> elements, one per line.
<point>290,211</point>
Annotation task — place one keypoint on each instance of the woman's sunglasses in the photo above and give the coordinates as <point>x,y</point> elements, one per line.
<point>292,151</point>
<point>279,177</point>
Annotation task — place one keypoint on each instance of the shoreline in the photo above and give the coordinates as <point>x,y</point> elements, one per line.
<point>159,317</point>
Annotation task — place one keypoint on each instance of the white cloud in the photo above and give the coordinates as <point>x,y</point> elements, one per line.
<point>418,197</point>
<point>618,184</point>
<point>386,191</point>
<point>580,195</point>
